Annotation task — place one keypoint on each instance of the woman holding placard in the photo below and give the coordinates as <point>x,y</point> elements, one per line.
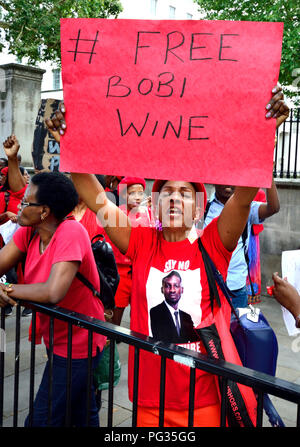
<point>156,254</point>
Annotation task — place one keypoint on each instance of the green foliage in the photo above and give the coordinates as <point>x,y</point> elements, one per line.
<point>31,29</point>
<point>287,11</point>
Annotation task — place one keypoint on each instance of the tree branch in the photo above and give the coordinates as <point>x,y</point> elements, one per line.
<point>4,25</point>
<point>4,6</point>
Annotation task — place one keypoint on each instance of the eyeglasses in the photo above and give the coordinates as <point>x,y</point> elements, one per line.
<point>25,204</point>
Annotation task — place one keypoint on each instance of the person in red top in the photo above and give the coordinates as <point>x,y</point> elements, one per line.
<point>87,218</point>
<point>9,198</point>
<point>154,254</point>
<point>56,249</point>
<point>131,191</point>
<point>13,186</point>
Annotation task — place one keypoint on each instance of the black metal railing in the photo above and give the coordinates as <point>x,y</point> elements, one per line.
<point>287,156</point>
<point>260,382</point>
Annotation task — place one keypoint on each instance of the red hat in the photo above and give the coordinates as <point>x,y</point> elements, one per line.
<point>4,171</point>
<point>131,181</point>
<point>199,187</point>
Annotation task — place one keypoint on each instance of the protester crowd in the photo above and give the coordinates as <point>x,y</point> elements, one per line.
<point>47,225</point>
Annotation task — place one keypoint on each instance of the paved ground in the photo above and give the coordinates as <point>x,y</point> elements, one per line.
<point>288,368</point>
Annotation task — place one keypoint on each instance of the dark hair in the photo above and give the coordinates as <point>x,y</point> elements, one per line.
<point>56,191</point>
<point>172,273</point>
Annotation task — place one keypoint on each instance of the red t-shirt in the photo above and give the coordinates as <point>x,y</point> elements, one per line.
<point>142,218</point>
<point>14,198</point>
<point>153,259</point>
<point>91,223</point>
<point>70,242</point>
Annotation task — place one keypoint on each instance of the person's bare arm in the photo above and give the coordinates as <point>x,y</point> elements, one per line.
<point>10,255</point>
<point>114,221</point>
<point>286,295</point>
<point>15,179</point>
<point>52,291</point>
<point>272,206</point>
<point>234,216</point>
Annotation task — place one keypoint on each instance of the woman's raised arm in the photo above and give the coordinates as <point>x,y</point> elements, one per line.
<point>114,221</point>
<point>234,216</point>
<point>15,179</point>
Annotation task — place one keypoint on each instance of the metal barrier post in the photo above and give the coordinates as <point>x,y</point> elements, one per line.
<point>2,359</point>
<point>17,365</point>
<point>162,391</point>
<point>32,368</point>
<point>111,382</point>
<point>69,378</point>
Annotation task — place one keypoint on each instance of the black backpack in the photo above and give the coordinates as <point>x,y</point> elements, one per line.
<point>107,269</point>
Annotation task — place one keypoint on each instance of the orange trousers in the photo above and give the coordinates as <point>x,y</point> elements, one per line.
<point>203,417</point>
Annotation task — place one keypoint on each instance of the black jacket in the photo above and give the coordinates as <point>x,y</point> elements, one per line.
<point>164,329</point>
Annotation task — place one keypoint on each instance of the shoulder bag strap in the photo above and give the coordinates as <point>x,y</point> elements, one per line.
<point>244,239</point>
<point>214,277</point>
<point>87,283</point>
<point>207,209</point>
<point>213,291</point>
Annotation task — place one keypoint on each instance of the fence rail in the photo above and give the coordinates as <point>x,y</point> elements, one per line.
<point>260,382</point>
<point>287,156</point>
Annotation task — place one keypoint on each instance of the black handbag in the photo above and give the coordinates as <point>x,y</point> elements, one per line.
<point>254,338</point>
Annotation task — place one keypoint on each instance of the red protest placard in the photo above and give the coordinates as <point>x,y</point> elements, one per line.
<point>178,100</point>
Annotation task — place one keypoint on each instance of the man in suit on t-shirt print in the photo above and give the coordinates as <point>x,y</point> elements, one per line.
<point>168,323</point>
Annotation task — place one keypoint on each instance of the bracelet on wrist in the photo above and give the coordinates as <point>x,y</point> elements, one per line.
<point>297,321</point>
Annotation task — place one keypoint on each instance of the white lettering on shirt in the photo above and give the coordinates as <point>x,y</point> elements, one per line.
<point>172,264</point>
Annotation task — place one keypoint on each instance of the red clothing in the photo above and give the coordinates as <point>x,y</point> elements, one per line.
<point>70,242</point>
<point>203,417</point>
<point>142,218</point>
<point>260,197</point>
<point>138,219</point>
<point>13,202</point>
<point>123,293</point>
<point>153,258</point>
<point>91,224</point>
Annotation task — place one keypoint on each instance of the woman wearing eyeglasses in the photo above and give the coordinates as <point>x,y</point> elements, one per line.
<point>56,249</point>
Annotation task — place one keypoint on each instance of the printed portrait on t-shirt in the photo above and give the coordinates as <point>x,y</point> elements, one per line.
<point>174,305</point>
